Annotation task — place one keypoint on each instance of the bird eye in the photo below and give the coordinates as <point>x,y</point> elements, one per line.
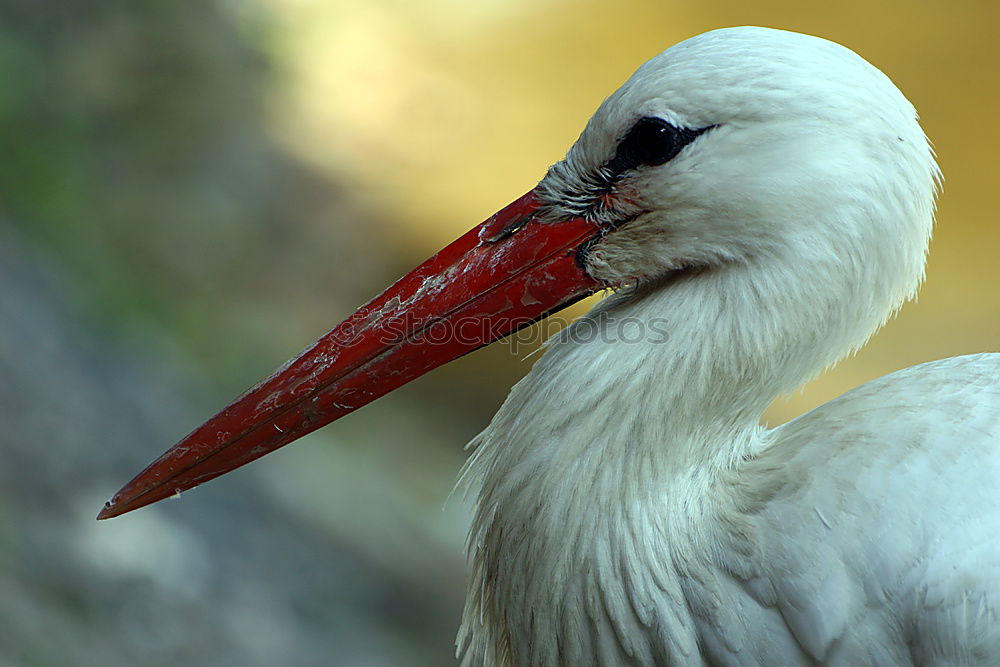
<point>651,141</point>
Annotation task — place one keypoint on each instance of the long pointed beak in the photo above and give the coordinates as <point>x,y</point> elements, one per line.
<point>504,274</point>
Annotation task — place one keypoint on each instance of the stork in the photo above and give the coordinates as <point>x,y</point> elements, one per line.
<point>759,202</point>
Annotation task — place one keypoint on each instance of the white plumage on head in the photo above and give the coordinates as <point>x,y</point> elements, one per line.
<point>631,508</point>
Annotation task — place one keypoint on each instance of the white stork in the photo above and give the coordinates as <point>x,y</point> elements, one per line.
<point>760,202</point>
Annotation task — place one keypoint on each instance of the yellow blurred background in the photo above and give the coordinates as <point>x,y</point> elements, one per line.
<point>191,192</point>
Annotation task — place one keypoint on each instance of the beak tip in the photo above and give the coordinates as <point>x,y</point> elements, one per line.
<point>133,496</point>
<point>108,511</point>
<point>118,505</point>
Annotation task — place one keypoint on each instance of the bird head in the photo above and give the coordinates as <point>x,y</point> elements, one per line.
<point>747,143</point>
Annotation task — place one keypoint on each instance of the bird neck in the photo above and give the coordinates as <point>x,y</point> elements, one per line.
<point>620,437</point>
<point>677,372</point>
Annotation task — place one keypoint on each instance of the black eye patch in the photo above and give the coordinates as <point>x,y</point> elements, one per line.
<point>651,141</point>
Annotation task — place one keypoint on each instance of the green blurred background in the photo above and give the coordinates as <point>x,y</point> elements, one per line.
<point>191,192</point>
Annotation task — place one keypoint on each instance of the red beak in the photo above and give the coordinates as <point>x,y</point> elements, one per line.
<point>504,274</point>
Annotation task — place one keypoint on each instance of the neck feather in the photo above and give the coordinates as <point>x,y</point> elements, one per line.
<point>603,463</point>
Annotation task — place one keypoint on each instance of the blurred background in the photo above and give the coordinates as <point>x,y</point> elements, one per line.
<point>192,192</point>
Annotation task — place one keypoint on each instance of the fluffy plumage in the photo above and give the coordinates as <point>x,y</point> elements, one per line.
<point>631,509</point>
